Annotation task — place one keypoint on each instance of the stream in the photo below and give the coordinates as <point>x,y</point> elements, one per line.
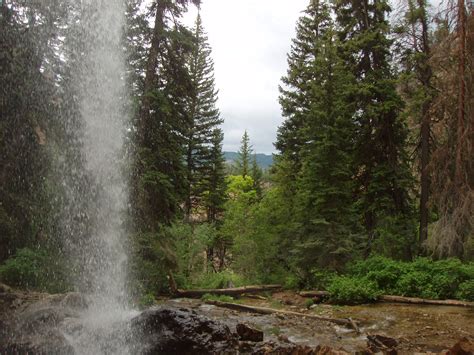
<point>417,328</point>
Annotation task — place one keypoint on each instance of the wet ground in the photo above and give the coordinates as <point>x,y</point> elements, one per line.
<point>418,328</point>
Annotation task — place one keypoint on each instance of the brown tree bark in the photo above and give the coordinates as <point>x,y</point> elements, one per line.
<point>462,90</point>
<point>426,74</point>
<point>237,291</point>
<point>397,299</point>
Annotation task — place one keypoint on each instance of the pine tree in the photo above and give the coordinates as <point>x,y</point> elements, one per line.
<point>320,164</point>
<point>296,92</point>
<point>417,87</point>
<point>256,174</point>
<point>28,106</point>
<point>159,177</point>
<point>381,163</point>
<point>243,159</point>
<point>203,116</point>
<point>214,184</point>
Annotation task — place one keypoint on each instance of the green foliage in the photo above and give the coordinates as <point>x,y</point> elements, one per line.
<point>178,249</point>
<point>243,159</point>
<point>319,279</point>
<point>466,291</point>
<point>204,160</point>
<point>353,290</point>
<point>219,298</point>
<point>308,303</point>
<point>423,277</point>
<point>224,279</point>
<point>146,300</point>
<point>292,282</point>
<point>153,258</point>
<point>35,270</point>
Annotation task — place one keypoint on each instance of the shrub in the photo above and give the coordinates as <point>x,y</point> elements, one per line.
<point>353,290</point>
<point>146,300</point>
<point>218,280</point>
<point>292,282</point>
<point>320,279</point>
<point>308,303</point>
<point>35,270</point>
<point>466,291</point>
<point>416,284</point>
<point>423,277</point>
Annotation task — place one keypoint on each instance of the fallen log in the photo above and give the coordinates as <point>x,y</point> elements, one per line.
<point>397,299</point>
<point>311,294</point>
<point>414,300</point>
<point>264,310</point>
<point>237,291</point>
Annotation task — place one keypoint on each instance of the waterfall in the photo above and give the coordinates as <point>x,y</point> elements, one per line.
<point>99,85</point>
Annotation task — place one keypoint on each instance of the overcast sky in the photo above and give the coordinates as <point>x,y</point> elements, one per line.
<point>249,40</point>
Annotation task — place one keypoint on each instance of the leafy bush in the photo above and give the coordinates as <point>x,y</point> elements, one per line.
<point>146,300</point>
<point>224,279</point>
<point>35,270</point>
<point>423,277</point>
<point>353,290</point>
<point>292,282</point>
<point>416,284</point>
<point>308,303</point>
<point>466,291</point>
<point>320,279</point>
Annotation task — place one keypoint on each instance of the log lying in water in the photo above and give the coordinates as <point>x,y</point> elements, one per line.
<point>414,300</point>
<point>237,291</point>
<point>264,310</point>
<point>397,299</point>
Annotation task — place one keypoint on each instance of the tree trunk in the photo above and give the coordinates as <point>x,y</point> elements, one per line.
<point>425,78</point>
<point>414,300</point>
<point>397,299</point>
<point>237,291</point>
<point>462,90</point>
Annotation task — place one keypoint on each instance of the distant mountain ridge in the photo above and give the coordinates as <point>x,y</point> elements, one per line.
<point>263,160</point>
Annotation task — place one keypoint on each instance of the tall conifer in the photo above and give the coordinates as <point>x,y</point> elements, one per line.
<point>243,158</point>
<point>203,116</point>
<point>382,169</point>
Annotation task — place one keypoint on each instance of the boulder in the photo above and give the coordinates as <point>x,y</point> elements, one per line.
<point>166,330</point>
<point>248,333</point>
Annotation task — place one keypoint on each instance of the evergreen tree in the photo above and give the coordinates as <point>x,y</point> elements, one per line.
<point>417,87</point>
<point>243,159</point>
<point>214,183</point>
<point>203,116</point>
<point>320,165</point>
<point>159,177</point>
<point>296,92</point>
<point>28,106</point>
<point>257,174</point>
<point>381,164</point>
